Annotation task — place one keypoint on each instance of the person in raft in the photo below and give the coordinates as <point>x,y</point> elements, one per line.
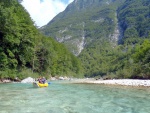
<point>43,80</point>
<point>40,80</point>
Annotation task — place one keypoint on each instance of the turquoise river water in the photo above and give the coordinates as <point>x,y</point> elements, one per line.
<point>62,97</point>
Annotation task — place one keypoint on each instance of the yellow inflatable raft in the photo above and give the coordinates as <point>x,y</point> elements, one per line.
<point>37,84</point>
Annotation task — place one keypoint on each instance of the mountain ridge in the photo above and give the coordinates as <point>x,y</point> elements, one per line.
<point>76,26</point>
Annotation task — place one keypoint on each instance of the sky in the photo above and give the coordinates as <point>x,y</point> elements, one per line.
<point>42,11</point>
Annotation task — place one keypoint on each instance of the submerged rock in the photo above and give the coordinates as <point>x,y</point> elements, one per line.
<point>28,80</point>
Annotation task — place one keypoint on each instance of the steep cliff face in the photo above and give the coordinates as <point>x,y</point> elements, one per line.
<point>84,22</point>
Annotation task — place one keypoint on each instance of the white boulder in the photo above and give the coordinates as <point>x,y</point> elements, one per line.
<point>28,80</point>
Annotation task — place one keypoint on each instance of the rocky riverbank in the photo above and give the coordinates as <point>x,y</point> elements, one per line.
<point>9,80</point>
<point>5,81</point>
<point>123,82</point>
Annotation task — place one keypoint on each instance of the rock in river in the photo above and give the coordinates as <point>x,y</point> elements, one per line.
<point>28,80</point>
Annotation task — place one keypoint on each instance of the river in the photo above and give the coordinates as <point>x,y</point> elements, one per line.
<point>61,97</point>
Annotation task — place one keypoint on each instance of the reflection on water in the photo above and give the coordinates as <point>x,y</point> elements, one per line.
<point>73,98</point>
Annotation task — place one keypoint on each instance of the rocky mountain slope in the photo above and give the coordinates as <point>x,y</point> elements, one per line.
<point>84,22</point>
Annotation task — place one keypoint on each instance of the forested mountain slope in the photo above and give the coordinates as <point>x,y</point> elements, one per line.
<point>134,19</point>
<point>25,52</point>
<point>110,37</point>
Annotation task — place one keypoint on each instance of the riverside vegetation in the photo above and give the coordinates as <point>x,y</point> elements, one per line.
<point>24,51</point>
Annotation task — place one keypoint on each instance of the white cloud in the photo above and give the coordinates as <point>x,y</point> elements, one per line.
<point>42,11</point>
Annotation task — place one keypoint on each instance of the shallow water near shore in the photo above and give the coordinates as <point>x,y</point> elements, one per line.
<point>61,97</point>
